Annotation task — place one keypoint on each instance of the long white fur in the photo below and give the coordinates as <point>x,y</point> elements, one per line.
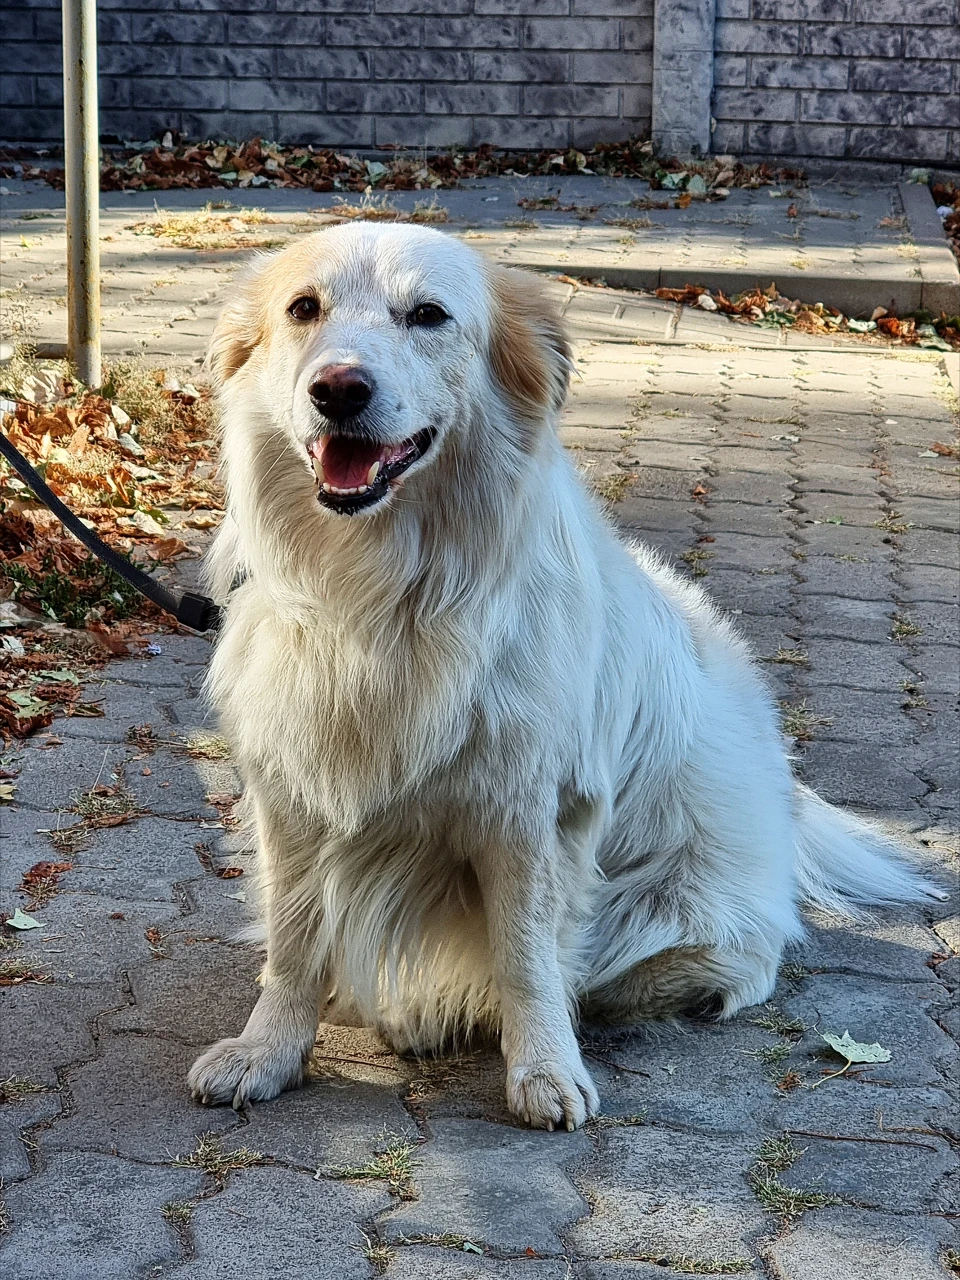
<point>500,763</point>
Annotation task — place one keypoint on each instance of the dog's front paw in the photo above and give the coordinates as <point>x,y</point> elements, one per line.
<point>238,1070</point>
<point>547,1094</point>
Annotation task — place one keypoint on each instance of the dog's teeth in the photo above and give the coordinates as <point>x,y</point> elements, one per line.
<point>372,473</point>
<point>317,467</point>
<point>328,488</point>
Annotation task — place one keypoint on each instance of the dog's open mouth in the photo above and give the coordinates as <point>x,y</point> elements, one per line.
<point>353,473</point>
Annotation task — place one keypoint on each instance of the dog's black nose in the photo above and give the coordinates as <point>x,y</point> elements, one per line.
<point>341,391</point>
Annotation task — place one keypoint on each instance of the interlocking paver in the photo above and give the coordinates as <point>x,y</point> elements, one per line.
<point>787,481</point>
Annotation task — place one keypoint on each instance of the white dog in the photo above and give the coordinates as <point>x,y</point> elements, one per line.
<point>501,766</point>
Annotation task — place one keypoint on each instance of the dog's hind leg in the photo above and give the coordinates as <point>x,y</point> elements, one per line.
<point>269,1054</point>
<point>697,981</point>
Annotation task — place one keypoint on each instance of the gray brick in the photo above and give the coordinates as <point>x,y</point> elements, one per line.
<point>798,73</point>
<point>910,146</point>
<point>276,95</point>
<point>757,37</point>
<point>941,110</point>
<point>899,77</point>
<point>445,8</point>
<point>472,99</point>
<point>733,9</point>
<point>854,42</point>
<point>137,59</point>
<point>939,43</point>
<point>563,33</point>
<point>851,108</point>
<point>374,98</point>
<point>730,71</point>
<point>207,124</point>
<point>574,99</point>
<point>472,33</point>
<point>206,61</point>
<point>638,34</point>
<point>728,138</point>
<point>113,93</point>
<point>589,131</point>
<point>635,101</point>
<point>424,131</point>
<point>191,95</point>
<point>161,28</point>
<point>304,127</point>
<point>42,58</point>
<point>613,8</point>
<point>531,132</point>
<point>542,68</point>
<point>267,28</point>
<point>934,12</point>
<point>523,8</point>
<point>316,6</point>
<point>323,64</point>
<point>392,65</point>
<point>754,104</point>
<point>804,10</point>
<point>112,27</point>
<point>16,91</point>
<point>145,124</point>
<point>605,68</point>
<point>19,26</point>
<point>378,31</point>
<point>47,25</point>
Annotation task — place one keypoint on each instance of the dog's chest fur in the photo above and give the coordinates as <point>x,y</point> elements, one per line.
<point>343,724</point>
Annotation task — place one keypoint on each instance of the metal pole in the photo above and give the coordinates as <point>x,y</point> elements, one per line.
<point>81,136</point>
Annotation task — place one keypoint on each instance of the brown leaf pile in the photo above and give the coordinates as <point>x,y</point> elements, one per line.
<point>768,308</point>
<point>258,163</point>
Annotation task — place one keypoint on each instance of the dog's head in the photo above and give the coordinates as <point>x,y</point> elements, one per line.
<point>367,346</point>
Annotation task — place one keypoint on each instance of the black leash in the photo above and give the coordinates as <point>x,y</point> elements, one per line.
<point>198,612</point>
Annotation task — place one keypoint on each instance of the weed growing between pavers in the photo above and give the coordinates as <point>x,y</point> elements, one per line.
<point>916,699</point>
<point>596,1123</point>
<point>105,806</point>
<point>178,1213</point>
<point>377,1252</point>
<point>200,745</point>
<point>210,1157</point>
<point>452,1240</point>
<point>799,722</point>
<point>789,657</point>
<point>775,1156</point>
<point>614,487</point>
<point>689,1266</point>
<point>770,1018</point>
<point>903,627</point>
<point>771,1054</point>
<point>695,560</point>
<point>392,1164</point>
<point>16,1088</point>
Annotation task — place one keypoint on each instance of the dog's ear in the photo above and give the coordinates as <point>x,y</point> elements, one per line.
<point>528,349</point>
<point>239,329</point>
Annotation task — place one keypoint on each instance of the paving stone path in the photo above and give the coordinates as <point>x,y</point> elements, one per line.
<point>797,483</point>
<point>852,247</point>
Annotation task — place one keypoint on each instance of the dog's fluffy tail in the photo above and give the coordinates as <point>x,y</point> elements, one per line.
<point>844,863</point>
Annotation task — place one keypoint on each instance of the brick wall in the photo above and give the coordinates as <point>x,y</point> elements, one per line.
<point>351,73</point>
<point>866,79</point>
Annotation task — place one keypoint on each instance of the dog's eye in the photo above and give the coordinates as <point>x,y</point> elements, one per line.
<point>303,309</point>
<point>428,314</point>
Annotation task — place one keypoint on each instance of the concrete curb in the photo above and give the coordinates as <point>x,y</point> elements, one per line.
<point>940,287</point>
<point>936,287</point>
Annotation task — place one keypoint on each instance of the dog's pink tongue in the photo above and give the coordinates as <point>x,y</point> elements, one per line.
<point>346,463</point>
